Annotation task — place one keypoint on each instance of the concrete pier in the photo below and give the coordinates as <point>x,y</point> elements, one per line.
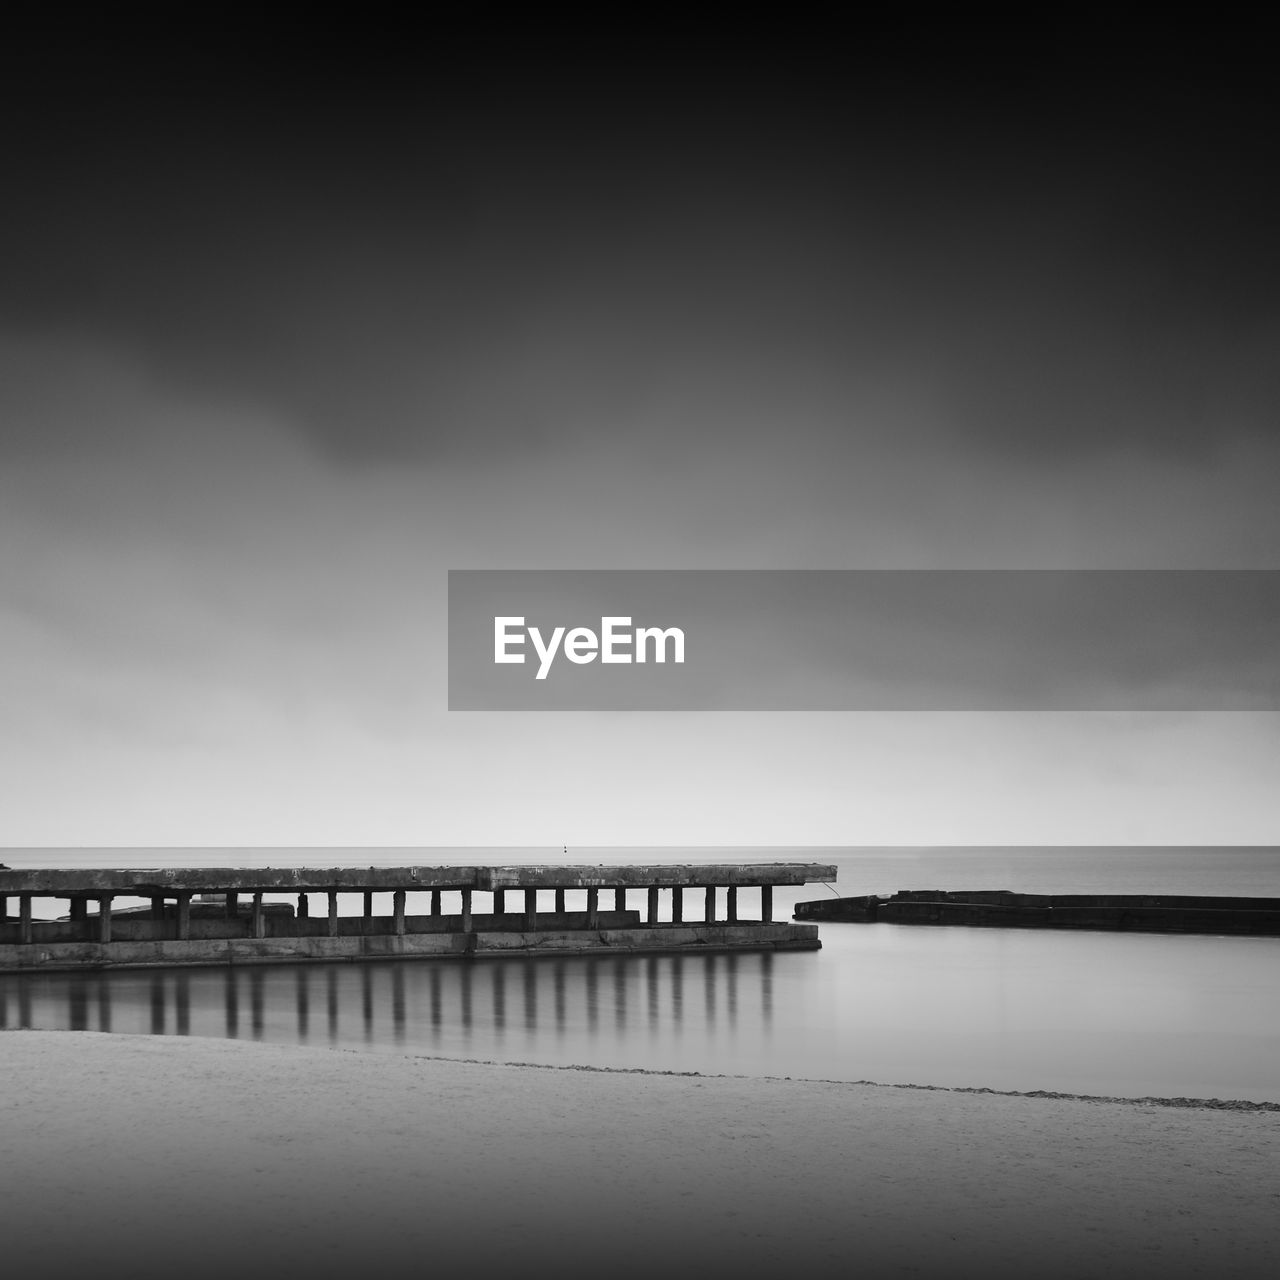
<point>216,916</point>
<point>1004,909</point>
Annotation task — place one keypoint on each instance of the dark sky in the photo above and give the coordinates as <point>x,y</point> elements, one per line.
<point>294,318</point>
<point>424,245</point>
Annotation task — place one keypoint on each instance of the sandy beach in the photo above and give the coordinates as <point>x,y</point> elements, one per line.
<point>169,1156</point>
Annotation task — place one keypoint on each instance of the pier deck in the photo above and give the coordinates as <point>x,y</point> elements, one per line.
<point>241,915</point>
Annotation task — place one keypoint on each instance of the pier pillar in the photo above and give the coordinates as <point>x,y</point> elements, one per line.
<point>233,905</point>
<point>259,929</point>
<point>79,908</point>
<point>710,909</point>
<point>368,904</point>
<point>560,901</point>
<point>731,904</point>
<point>651,917</point>
<point>104,917</point>
<point>304,906</point>
<point>677,905</point>
<point>397,911</point>
<point>766,903</point>
<point>4,908</point>
<point>593,908</point>
<point>466,911</point>
<point>499,901</point>
<point>333,913</point>
<point>157,906</point>
<point>184,917</point>
<point>24,917</point>
<point>435,902</point>
<point>620,899</point>
<point>530,910</point>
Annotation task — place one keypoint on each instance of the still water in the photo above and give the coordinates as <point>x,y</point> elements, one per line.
<point>1101,1013</point>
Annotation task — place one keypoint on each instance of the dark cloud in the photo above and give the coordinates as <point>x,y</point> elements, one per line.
<point>466,245</point>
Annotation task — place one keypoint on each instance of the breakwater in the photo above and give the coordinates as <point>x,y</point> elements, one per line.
<point>214,916</point>
<point>1001,908</point>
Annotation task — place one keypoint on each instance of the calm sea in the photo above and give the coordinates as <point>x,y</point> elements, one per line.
<point>1099,1013</point>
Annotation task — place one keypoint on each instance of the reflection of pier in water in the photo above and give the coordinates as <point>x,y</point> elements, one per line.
<point>542,1005</point>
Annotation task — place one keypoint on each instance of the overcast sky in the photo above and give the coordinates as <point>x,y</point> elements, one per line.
<point>293,322</point>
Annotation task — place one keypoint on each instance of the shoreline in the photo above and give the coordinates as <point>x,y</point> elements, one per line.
<point>298,1156</point>
<point>1145,1100</point>
<point>1206,1104</point>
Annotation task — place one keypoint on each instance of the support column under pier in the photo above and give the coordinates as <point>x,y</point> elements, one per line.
<point>24,917</point>
<point>709,911</point>
<point>766,904</point>
<point>184,916</point>
<point>651,916</point>
<point>530,910</point>
<point>259,929</point>
<point>466,911</point>
<point>333,913</point>
<point>677,905</point>
<point>104,918</point>
<point>731,904</point>
<point>397,911</point>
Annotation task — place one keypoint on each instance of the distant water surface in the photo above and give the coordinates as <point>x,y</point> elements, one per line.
<point>1088,1012</point>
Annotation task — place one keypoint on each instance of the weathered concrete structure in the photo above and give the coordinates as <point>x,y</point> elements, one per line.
<point>1001,908</point>
<point>211,916</point>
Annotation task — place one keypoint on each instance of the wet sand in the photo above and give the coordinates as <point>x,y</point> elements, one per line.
<point>164,1156</point>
